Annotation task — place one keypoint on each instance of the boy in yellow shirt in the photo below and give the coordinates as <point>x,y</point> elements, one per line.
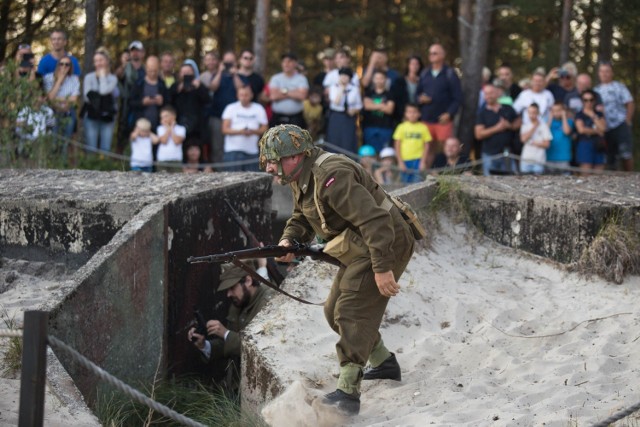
<point>410,139</point>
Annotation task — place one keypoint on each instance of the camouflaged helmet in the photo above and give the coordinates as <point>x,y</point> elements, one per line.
<point>283,141</point>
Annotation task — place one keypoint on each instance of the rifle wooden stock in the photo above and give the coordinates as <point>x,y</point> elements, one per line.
<point>271,251</point>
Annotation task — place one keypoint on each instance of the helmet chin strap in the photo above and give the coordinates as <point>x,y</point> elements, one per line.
<point>286,179</point>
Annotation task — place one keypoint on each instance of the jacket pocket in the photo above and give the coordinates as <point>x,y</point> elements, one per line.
<point>346,247</point>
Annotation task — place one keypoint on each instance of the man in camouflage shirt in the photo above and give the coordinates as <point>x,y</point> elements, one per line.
<point>337,201</point>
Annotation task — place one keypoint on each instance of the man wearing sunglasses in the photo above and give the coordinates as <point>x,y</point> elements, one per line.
<point>247,76</point>
<point>58,41</point>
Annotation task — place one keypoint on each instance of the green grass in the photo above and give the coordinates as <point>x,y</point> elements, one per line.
<point>12,358</point>
<point>187,397</point>
<point>450,199</point>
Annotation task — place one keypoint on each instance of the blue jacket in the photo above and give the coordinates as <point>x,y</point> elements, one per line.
<point>445,92</point>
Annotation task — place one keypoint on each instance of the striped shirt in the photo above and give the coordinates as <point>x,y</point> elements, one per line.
<point>70,86</point>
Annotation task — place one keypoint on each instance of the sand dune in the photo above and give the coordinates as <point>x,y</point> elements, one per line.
<point>485,335</point>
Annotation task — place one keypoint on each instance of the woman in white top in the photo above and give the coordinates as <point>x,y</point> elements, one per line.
<point>345,103</point>
<point>100,90</point>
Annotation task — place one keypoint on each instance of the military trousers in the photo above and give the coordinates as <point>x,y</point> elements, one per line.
<point>354,307</point>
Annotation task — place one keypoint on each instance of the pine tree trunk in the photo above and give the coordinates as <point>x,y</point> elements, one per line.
<point>472,70</point>
<point>90,33</point>
<point>564,34</point>
<point>606,31</point>
<point>5,7</point>
<point>199,9</point>
<point>263,11</point>
<point>464,27</point>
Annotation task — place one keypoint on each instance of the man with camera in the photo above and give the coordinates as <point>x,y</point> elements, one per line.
<point>224,86</point>
<point>562,80</point>
<point>224,342</point>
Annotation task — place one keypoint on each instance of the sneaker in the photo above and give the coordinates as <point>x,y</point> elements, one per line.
<point>347,403</point>
<point>388,370</point>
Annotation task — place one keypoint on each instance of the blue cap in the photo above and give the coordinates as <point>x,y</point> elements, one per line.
<point>367,150</point>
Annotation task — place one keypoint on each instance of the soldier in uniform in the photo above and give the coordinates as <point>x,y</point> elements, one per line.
<point>247,298</point>
<point>337,201</point>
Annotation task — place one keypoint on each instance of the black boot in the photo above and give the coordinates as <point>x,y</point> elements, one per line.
<point>388,370</point>
<point>347,403</point>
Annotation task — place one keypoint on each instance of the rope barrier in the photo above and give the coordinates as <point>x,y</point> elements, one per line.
<point>115,382</point>
<point>10,333</point>
<point>122,157</point>
<point>618,416</point>
<point>453,169</point>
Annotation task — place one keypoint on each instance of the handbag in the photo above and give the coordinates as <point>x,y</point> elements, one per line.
<point>100,107</point>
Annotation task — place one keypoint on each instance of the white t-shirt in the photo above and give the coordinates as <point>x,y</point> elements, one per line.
<point>527,97</point>
<point>141,154</point>
<point>529,152</point>
<point>171,152</point>
<point>251,117</point>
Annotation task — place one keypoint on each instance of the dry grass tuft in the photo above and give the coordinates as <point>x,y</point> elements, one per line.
<point>12,358</point>
<point>450,199</point>
<point>613,254</point>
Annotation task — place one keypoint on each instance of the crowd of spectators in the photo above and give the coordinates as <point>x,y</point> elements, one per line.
<point>402,125</point>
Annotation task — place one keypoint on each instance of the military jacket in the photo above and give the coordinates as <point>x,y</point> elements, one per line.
<point>348,197</point>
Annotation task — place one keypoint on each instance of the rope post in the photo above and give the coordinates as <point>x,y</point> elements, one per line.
<point>34,369</point>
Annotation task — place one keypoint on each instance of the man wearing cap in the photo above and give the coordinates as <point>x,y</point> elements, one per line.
<point>287,91</point>
<point>47,64</point>
<point>247,298</point>
<point>328,63</point>
<point>562,80</point>
<point>130,73</point>
<point>337,201</point>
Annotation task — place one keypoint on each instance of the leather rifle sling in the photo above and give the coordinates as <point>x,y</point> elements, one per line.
<point>259,278</point>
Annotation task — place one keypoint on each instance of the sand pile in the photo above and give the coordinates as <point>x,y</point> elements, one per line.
<point>485,335</point>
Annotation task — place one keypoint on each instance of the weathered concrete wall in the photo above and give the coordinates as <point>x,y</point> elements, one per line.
<point>129,236</point>
<point>198,225</point>
<point>554,217</point>
<point>116,312</point>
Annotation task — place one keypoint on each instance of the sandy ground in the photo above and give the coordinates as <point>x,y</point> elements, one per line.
<point>485,335</point>
<point>26,285</point>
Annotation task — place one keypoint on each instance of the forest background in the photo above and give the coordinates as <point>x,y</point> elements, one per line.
<point>524,33</point>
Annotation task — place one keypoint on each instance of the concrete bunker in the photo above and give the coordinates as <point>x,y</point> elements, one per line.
<point>120,241</point>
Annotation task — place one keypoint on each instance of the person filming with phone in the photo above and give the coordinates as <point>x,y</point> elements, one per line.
<point>190,97</point>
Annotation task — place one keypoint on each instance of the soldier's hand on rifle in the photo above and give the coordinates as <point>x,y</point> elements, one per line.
<point>199,339</point>
<point>214,327</point>
<point>288,257</point>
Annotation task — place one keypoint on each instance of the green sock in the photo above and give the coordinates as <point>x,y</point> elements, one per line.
<point>350,378</point>
<point>379,354</point>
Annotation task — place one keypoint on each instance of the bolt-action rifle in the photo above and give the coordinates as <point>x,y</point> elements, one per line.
<point>271,251</point>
